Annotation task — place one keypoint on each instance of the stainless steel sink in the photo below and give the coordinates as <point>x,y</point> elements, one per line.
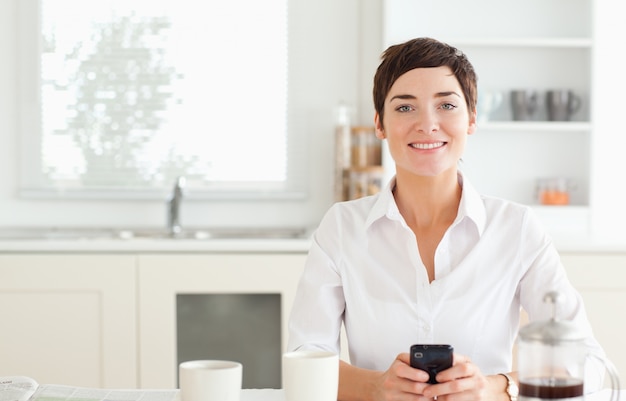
<point>124,234</point>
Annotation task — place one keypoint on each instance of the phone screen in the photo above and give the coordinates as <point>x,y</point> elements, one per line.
<point>431,358</point>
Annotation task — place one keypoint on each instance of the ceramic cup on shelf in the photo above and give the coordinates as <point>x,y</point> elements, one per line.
<point>562,104</point>
<point>210,380</point>
<point>310,376</point>
<point>488,104</point>
<point>524,104</point>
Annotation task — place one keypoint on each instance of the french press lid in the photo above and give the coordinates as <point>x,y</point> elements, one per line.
<point>552,331</point>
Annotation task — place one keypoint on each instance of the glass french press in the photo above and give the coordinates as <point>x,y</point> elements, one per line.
<point>551,360</point>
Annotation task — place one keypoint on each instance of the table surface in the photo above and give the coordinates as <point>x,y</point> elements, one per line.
<point>262,395</point>
<point>278,395</point>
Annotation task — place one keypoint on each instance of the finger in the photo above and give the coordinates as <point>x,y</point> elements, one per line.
<point>403,369</point>
<point>404,357</point>
<point>462,368</point>
<point>459,358</point>
<point>449,387</point>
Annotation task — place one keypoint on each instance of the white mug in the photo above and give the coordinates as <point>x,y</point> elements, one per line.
<point>210,380</point>
<point>310,376</point>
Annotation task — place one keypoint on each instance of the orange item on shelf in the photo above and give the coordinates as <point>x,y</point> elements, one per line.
<point>553,197</point>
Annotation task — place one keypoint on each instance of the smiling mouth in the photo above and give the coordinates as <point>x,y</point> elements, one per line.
<point>427,146</point>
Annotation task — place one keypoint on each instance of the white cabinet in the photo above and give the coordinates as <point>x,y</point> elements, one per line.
<point>109,320</point>
<point>601,280</point>
<point>163,276</point>
<point>531,44</point>
<point>69,319</point>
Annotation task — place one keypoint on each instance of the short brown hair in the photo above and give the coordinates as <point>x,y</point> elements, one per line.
<point>422,53</point>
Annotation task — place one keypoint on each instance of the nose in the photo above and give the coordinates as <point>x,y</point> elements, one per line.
<point>426,121</point>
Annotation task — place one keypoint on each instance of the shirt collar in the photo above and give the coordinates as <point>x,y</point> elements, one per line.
<point>470,207</point>
<point>385,205</point>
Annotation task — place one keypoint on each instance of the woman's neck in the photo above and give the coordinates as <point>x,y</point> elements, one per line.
<point>428,201</point>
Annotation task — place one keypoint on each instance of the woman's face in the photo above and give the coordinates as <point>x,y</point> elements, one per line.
<point>426,121</point>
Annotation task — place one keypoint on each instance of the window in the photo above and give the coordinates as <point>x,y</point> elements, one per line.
<point>133,93</point>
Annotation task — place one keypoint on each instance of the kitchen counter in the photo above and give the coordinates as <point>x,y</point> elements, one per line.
<point>155,245</point>
<point>154,240</point>
<point>564,243</point>
<point>224,239</point>
<point>124,293</point>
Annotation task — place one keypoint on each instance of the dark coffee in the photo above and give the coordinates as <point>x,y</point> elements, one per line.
<point>551,388</point>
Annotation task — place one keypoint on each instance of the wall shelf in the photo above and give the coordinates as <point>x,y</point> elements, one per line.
<point>518,46</point>
<point>574,43</point>
<point>535,126</point>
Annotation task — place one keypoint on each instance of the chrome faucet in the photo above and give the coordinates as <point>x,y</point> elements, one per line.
<point>173,207</point>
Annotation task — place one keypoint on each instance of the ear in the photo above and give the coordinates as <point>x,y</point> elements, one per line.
<point>472,123</point>
<point>380,130</point>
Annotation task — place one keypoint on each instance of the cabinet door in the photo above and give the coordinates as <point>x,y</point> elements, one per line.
<point>601,280</point>
<point>163,277</point>
<point>69,319</point>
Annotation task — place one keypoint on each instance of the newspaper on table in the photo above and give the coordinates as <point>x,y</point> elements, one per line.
<point>22,388</point>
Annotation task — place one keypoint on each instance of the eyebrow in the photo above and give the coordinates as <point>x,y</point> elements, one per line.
<point>438,94</point>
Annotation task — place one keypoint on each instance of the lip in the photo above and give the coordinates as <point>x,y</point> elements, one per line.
<point>427,145</point>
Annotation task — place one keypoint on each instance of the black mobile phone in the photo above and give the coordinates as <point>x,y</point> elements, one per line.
<point>432,358</point>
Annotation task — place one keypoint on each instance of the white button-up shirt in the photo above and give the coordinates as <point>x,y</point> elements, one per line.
<point>364,269</point>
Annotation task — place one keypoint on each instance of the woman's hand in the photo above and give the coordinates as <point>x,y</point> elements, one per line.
<point>400,381</point>
<point>464,381</point>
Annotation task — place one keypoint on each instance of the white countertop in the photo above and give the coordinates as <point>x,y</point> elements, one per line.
<point>279,395</point>
<point>153,240</point>
<point>262,395</point>
<point>156,245</point>
<point>564,243</point>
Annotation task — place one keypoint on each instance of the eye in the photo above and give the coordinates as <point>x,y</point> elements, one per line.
<point>404,108</point>
<point>448,106</point>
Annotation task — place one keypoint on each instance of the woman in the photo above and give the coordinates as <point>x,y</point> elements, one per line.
<point>428,259</point>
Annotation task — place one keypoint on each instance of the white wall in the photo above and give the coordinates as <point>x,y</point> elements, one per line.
<point>337,65</point>
<point>605,218</point>
<point>334,47</point>
<point>608,191</point>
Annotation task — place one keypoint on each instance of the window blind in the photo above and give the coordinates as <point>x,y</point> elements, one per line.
<point>134,93</point>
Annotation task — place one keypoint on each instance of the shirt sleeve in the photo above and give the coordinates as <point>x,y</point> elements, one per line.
<point>319,304</point>
<point>546,273</point>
